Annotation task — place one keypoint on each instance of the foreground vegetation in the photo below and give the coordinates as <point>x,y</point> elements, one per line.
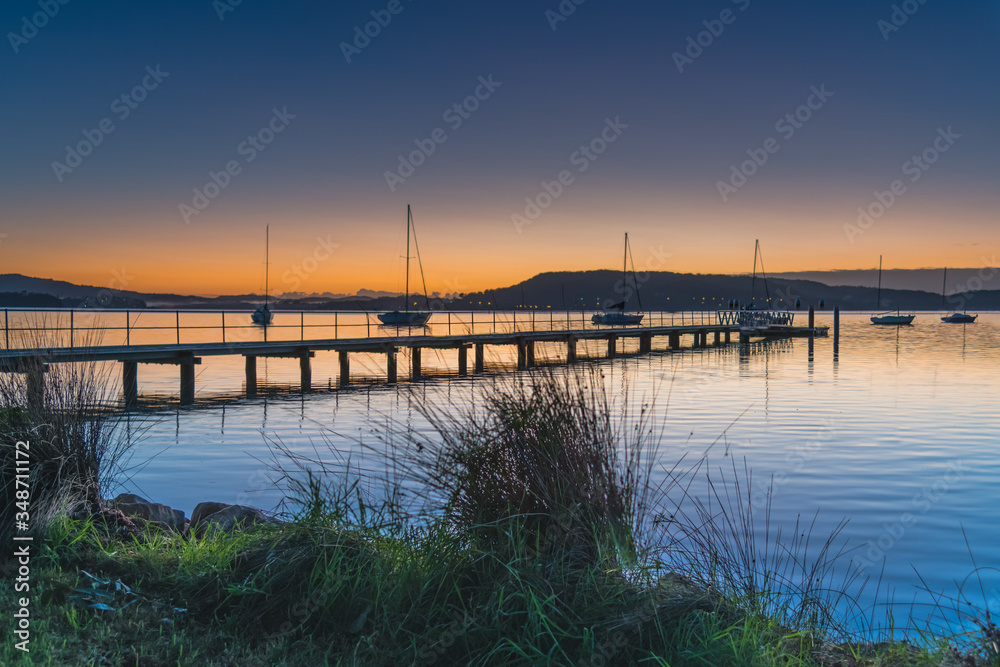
<point>528,532</point>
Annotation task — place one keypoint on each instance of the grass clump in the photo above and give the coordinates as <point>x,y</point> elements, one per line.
<point>75,449</point>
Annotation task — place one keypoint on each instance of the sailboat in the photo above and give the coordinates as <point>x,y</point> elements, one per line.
<point>407,317</point>
<point>617,314</point>
<point>887,318</point>
<point>956,317</point>
<point>755,320</point>
<point>263,314</point>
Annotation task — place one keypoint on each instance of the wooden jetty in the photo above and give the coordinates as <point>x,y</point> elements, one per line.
<point>34,362</point>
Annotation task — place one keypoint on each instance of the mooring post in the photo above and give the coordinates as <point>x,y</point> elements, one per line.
<point>305,372</point>
<point>390,365</point>
<point>571,350</point>
<point>836,331</point>
<point>463,360</point>
<point>479,358</point>
<point>187,381</point>
<point>130,383</point>
<point>251,375</point>
<point>345,369</point>
<point>812,320</point>
<point>415,363</point>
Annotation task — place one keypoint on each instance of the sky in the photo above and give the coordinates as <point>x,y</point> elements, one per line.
<point>147,146</point>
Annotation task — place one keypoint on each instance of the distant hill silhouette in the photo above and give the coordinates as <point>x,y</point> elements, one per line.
<point>574,290</point>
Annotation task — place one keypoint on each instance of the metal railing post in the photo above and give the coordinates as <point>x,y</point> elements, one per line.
<point>178,314</point>
<point>6,328</point>
<point>128,329</point>
<point>302,325</point>
<point>335,325</point>
<point>71,328</point>
<point>223,326</point>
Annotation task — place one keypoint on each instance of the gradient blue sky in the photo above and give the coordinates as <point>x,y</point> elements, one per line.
<point>335,224</point>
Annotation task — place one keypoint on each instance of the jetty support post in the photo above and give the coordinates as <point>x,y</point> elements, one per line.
<point>836,332</point>
<point>187,379</point>
<point>415,363</point>
<point>612,346</point>
<point>463,360</point>
<point>305,371</point>
<point>34,371</point>
<point>727,336</point>
<point>718,338</point>
<point>529,350</point>
<point>645,343</point>
<point>345,368</point>
<point>130,383</point>
<point>522,355</point>
<point>479,358</point>
<point>571,350</point>
<point>251,375</point>
<point>675,341</point>
<point>391,370</point>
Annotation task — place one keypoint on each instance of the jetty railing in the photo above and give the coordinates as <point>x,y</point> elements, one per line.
<point>90,327</point>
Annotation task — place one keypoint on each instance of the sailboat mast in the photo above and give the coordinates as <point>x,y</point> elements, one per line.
<point>878,294</point>
<point>753,282</point>
<point>267,262</point>
<point>406,297</point>
<point>625,267</point>
<point>944,286</point>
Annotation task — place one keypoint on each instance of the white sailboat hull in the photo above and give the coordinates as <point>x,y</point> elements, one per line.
<point>892,319</point>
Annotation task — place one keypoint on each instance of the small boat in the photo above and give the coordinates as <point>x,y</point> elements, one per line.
<point>887,318</point>
<point>615,315</point>
<point>956,317</point>
<point>407,317</point>
<point>263,314</point>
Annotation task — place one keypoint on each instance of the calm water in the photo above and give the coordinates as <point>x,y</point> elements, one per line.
<point>901,436</point>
